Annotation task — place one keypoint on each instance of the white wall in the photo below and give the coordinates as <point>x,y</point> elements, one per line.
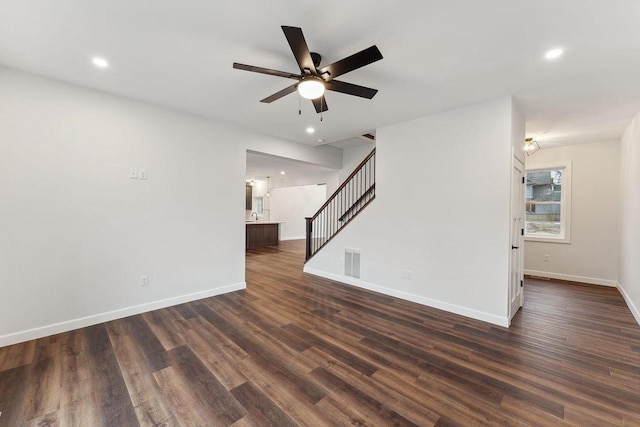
<point>441,211</point>
<point>292,205</point>
<point>324,155</point>
<point>352,157</point>
<point>629,267</point>
<point>592,255</point>
<point>328,178</point>
<point>77,233</point>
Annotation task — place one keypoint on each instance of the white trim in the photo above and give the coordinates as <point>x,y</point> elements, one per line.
<point>69,325</point>
<point>293,238</point>
<point>452,308</point>
<point>572,278</point>
<point>549,239</point>
<point>632,307</point>
<point>565,203</point>
<point>516,164</point>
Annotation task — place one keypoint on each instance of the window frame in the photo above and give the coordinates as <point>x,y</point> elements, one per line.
<point>565,202</point>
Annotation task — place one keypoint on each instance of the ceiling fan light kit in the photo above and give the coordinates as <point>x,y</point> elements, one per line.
<point>311,88</point>
<point>312,82</point>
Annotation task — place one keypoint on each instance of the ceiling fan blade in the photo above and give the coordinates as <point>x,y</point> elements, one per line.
<point>266,71</point>
<point>280,94</point>
<point>351,89</point>
<point>350,63</point>
<point>320,104</point>
<point>299,48</point>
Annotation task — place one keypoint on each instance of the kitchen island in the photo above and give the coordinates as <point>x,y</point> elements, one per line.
<point>260,234</point>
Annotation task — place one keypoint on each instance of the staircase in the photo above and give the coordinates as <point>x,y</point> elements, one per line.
<point>356,192</point>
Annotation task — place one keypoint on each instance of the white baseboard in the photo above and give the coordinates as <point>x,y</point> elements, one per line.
<point>632,307</point>
<point>452,308</point>
<point>572,278</point>
<point>69,325</point>
<point>293,238</point>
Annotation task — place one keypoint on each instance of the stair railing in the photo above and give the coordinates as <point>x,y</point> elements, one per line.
<point>353,195</point>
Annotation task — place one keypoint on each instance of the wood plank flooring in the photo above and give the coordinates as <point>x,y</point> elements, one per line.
<point>294,349</point>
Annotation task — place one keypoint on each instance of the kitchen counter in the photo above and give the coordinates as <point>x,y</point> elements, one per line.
<point>260,234</point>
<point>263,222</point>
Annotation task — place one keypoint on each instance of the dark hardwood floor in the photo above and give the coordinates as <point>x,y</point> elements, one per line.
<point>294,349</point>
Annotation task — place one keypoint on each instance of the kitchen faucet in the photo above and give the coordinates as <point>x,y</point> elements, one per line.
<point>256,214</point>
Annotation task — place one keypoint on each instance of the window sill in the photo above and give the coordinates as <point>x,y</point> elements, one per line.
<point>547,239</point>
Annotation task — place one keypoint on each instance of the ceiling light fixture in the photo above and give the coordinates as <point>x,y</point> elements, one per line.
<point>100,62</point>
<point>282,172</point>
<point>531,146</point>
<point>554,53</point>
<point>315,79</point>
<point>311,87</point>
<point>310,130</point>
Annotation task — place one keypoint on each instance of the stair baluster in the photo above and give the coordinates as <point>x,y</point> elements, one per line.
<point>353,195</point>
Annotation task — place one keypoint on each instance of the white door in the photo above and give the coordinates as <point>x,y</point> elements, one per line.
<point>516,273</point>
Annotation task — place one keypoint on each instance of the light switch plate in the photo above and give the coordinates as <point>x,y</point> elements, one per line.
<point>133,173</point>
<point>142,174</point>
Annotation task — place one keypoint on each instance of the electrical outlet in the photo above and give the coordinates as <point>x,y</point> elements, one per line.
<point>142,174</point>
<point>144,280</point>
<point>133,173</point>
<point>546,258</point>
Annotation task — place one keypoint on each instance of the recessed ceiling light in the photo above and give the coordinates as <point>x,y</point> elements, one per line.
<point>282,172</point>
<point>321,141</point>
<point>310,130</point>
<point>553,53</point>
<point>100,62</point>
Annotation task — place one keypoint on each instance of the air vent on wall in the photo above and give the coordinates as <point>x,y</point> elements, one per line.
<point>352,263</point>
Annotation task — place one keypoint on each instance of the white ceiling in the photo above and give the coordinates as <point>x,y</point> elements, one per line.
<point>438,55</point>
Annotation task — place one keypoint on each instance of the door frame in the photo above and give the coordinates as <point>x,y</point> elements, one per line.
<point>516,235</point>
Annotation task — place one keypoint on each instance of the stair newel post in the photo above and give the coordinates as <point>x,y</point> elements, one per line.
<point>308,242</point>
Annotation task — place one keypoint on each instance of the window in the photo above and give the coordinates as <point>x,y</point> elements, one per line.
<point>548,203</point>
<point>259,206</point>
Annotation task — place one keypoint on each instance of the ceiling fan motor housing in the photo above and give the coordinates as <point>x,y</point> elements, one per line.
<point>316,58</point>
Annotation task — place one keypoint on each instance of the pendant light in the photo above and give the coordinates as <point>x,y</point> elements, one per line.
<point>268,187</point>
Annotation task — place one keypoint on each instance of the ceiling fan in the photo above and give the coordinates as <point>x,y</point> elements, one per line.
<point>312,81</point>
